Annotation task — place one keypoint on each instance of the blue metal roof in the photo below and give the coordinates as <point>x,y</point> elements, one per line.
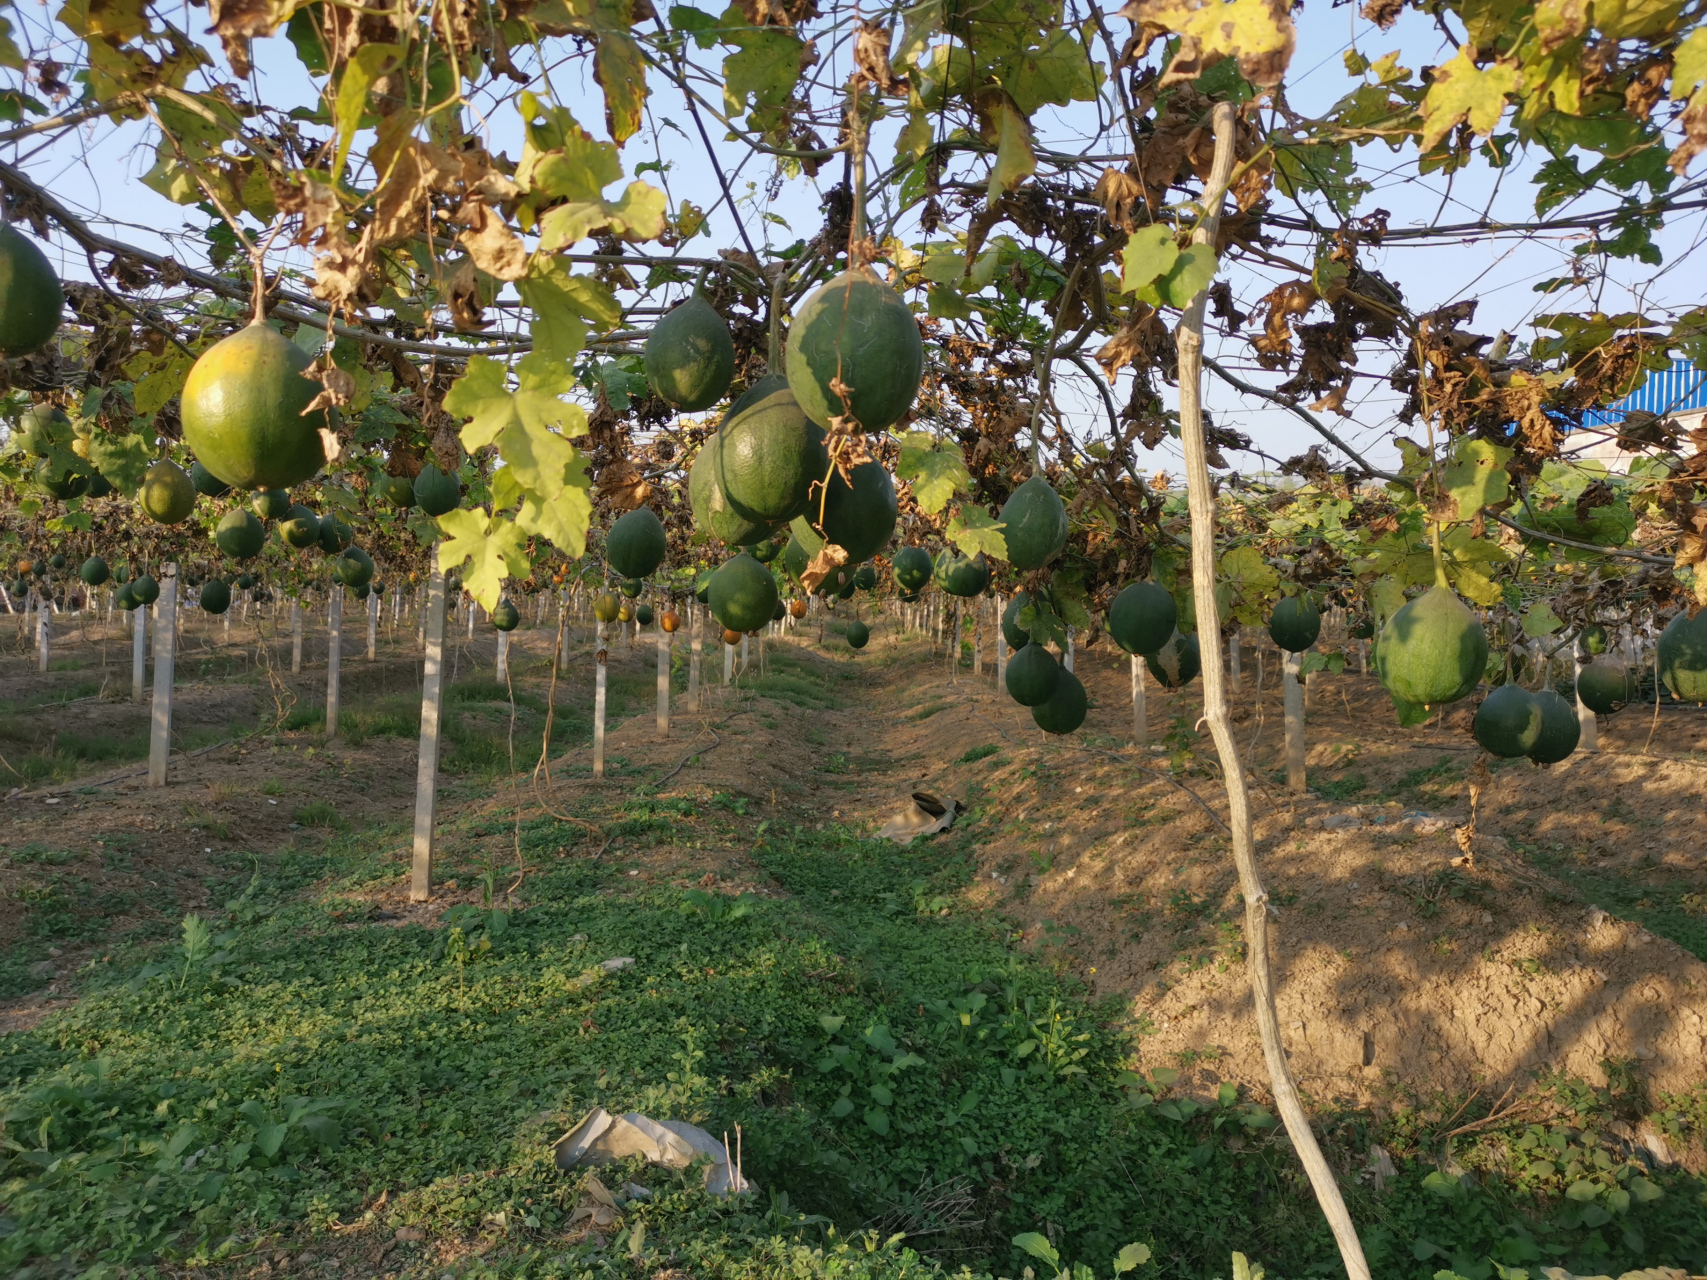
<point>1679,389</point>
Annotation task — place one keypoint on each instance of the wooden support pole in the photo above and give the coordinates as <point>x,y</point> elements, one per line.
<point>165,655</point>
<point>372,626</point>
<point>599,670</point>
<point>43,628</point>
<point>663,680</point>
<point>334,656</point>
<point>1589,736</point>
<point>1001,645</point>
<point>696,642</point>
<point>296,637</point>
<point>1292,698</point>
<point>1140,718</point>
<point>138,651</point>
<point>1068,663</point>
<point>1233,647</point>
<point>427,762</point>
<point>501,668</point>
<point>728,659</point>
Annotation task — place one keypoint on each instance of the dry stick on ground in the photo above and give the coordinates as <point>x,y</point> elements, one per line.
<point>1189,338</point>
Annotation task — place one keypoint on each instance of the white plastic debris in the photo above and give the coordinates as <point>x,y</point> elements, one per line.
<point>602,1138</point>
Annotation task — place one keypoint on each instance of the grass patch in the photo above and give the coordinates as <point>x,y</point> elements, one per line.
<point>975,754</point>
<point>1671,911</point>
<point>322,813</point>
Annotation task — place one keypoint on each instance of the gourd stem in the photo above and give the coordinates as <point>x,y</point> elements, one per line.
<point>258,303</point>
<point>773,353</point>
<point>699,280</point>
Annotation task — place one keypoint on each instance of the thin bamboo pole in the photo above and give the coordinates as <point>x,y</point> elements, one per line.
<point>1189,338</point>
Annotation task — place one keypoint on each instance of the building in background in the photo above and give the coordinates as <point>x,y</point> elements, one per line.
<point>1679,393</point>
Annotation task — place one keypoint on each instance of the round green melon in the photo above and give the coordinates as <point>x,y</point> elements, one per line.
<point>94,571</point>
<point>1065,709</point>
<point>40,427</point>
<point>39,567</point>
<point>765,550</point>
<point>240,535</point>
<point>859,635</point>
<point>121,574</point>
<point>1560,729</point>
<point>606,607</point>
<point>1178,662</point>
<point>1508,722</point>
<point>99,486</point>
<point>845,581</point>
<point>1362,629</point>
<point>1594,640</point>
<point>271,504</point>
<point>300,527</point>
<point>167,495</point>
<point>215,597</point>
<point>865,578</point>
<point>334,535</point>
<point>1032,675</point>
<point>378,587</point>
<point>690,357</point>
<point>206,483</point>
<point>435,492</point>
<point>769,456</point>
<point>1432,650</point>
<point>742,594</point>
<point>964,576</point>
<point>56,561</point>
<point>30,295</point>
<point>506,617</point>
<point>1682,658</point>
<point>711,508</point>
<point>362,592</point>
<point>860,518</point>
<point>766,386</point>
<point>631,587</point>
<point>911,568</point>
<point>702,587</point>
<point>354,568</point>
<point>62,482</point>
<point>125,597</point>
<point>395,491</point>
<point>636,543</point>
<point>1142,618</point>
<point>144,590</point>
<point>245,581</point>
<point>1016,636</point>
<point>780,612</point>
<point>643,614</point>
<point>1295,624</point>
<point>855,330</point>
<point>1034,523</point>
<point>242,410</point>
<point>1605,686</point>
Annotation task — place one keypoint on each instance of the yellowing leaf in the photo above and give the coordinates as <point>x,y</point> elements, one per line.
<point>620,71</point>
<point>937,474</point>
<point>1464,91</point>
<point>492,546</point>
<point>563,306</point>
<point>639,215</point>
<point>1476,477</point>
<point>1015,159</point>
<point>1540,620</point>
<point>975,530</point>
<point>1259,33</point>
<point>1689,65</point>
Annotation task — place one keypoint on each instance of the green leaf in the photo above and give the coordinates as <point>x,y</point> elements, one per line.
<point>1476,477</point>
<point>877,1119</point>
<point>121,459</point>
<point>1133,1255</point>
<point>641,214</point>
<point>1540,620</point>
<point>156,388</point>
<point>1038,1246</point>
<point>491,546</point>
<point>1189,276</point>
<point>947,304</point>
<point>1582,1191</point>
<point>1410,715</point>
<point>1150,252</point>
<point>759,78</point>
<point>1463,91</point>
<point>564,305</point>
<point>1314,661</point>
<point>937,474</point>
<point>483,396</point>
<point>975,529</point>
<point>369,63</point>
